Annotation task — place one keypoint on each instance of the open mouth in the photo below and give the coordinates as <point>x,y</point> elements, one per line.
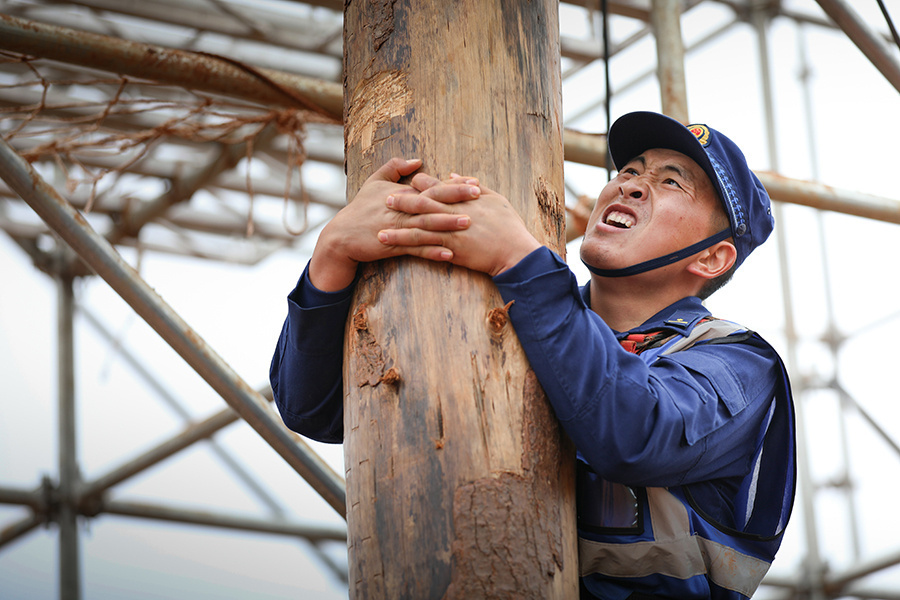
<point>617,218</point>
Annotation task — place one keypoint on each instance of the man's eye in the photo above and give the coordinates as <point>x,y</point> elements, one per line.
<point>630,171</point>
<point>673,182</point>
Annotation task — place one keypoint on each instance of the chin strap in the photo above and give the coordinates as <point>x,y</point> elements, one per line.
<point>668,259</point>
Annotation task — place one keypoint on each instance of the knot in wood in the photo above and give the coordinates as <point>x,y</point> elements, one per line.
<point>391,376</point>
<point>498,317</point>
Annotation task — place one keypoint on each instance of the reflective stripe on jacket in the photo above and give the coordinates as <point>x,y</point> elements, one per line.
<point>660,538</point>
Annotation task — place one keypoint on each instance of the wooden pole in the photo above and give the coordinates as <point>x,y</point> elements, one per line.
<point>460,483</point>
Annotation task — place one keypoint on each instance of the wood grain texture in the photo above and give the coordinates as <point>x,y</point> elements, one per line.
<point>460,483</point>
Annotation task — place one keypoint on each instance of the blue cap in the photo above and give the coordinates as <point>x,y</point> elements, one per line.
<point>745,199</point>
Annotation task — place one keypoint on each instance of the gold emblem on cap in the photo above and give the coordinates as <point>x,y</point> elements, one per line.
<point>701,132</point>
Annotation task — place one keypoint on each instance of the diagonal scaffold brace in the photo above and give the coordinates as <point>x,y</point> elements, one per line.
<point>100,255</point>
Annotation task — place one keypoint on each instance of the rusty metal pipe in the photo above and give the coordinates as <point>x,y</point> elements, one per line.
<point>869,43</point>
<point>666,19</point>
<point>825,197</point>
<point>193,70</point>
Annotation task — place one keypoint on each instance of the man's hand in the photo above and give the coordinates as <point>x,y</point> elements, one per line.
<point>494,240</point>
<point>351,236</point>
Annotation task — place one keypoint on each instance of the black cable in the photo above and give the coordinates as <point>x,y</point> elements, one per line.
<point>609,165</point>
<point>890,23</point>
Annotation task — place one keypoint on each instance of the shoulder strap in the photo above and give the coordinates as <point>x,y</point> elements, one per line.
<point>707,329</point>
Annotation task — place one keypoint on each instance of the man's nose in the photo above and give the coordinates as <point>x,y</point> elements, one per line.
<point>634,188</point>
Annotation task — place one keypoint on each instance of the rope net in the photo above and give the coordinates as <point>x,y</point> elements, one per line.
<point>95,132</point>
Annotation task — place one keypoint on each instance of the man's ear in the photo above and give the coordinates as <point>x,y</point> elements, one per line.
<point>714,261</point>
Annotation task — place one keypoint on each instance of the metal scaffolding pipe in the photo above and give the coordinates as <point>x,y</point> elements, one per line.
<point>616,8</point>
<point>803,76</point>
<point>585,148</point>
<point>218,449</point>
<point>825,197</point>
<point>90,491</point>
<point>869,43</point>
<point>666,19</point>
<point>33,499</point>
<point>813,563</point>
<point>311,532</point>
<point>102,258</point>
<point>885,435</point>
<point>66,515</point>
<point>872,594</point>
<point>191,14</point>
<point>193,70</point>
<point>19,528</point>
<point>196,14</point>
<point>648,73</point>
<point>836,582</point>
<point>178,67</point>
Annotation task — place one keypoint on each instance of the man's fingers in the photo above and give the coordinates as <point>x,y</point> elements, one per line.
<point>423,181</point>
<point>421,204</point>
<point>413,204</point>
<point>410,237</point>
<point>415,242</point>
<point>437,253</point>
<point>435,199</point>
<point>438,222</point>
<point>396,168</point>
<point>451,193</point>
<point>457,178</point>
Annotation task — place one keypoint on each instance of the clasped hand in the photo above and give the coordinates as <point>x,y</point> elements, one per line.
<point>457,220</point>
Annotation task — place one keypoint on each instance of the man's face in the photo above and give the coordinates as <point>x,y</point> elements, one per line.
<point>660,202</point>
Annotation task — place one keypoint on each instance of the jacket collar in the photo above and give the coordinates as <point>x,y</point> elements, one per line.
<point>679,317</point>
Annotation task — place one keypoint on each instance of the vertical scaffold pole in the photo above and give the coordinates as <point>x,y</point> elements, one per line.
<point>67,514</point>
<point>666,19</point>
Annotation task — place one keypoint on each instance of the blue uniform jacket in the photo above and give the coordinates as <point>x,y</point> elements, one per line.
<point>692,420</point>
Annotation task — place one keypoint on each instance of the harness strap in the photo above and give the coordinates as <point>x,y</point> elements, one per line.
<point>636,343</point>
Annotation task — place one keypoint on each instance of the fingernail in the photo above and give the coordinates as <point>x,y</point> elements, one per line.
<point>474,190</point>
<point>389,201</point>
<point>463,222</point>
<point>382,237</point>
<point>412,160</point>
<point>446,254</point>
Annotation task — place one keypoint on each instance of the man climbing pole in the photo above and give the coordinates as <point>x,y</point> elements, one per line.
<point>460,482</point>
<point>685,439</point>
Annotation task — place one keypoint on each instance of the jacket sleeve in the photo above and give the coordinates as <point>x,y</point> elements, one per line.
<point>306,372</point>
<point>694,415</point>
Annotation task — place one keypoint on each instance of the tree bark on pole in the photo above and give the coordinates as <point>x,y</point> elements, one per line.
<point>460,482</point>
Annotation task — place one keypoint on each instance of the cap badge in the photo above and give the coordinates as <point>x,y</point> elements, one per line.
<point>701,132</point>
